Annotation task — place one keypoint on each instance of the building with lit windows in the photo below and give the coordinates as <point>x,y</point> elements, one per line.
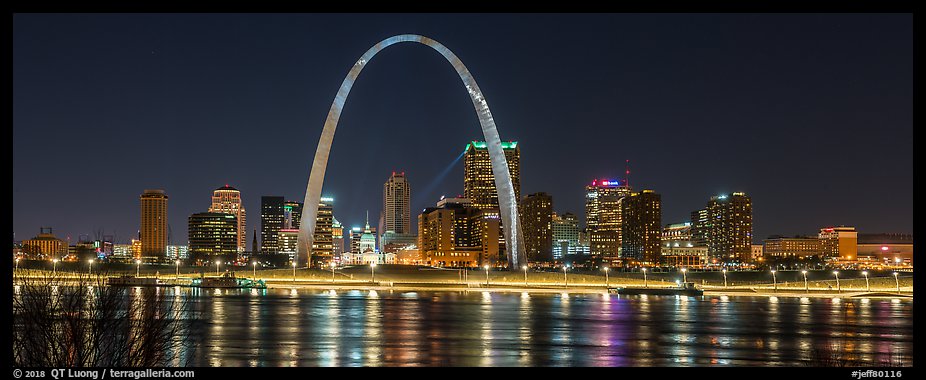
<point>45,246</point>
<point>699,230</point>
<point>227,200</point>
<point>677,235</point>
<point>641,227</point>
<point>840,242</point>
<point>799,247</point>
<point>287,238</point>
<point>395,217</point>
<point>322,250</point>
<point>292,213</point>
<point>565,236</point>
<point>178,252</point>
<point>729,228</point>
<point>213,236</point>
<point>603,218</point>
<point>457,234</point>
<point>537,225</point>
<point>153,225</point>
<point>479,180</point>
<point>758,252</point>
<point>271,222</point>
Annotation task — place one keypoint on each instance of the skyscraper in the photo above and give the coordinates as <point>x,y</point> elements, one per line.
<point>153,225</point>
<point>537,223</point>
<point>213,236</point>
<point>729,225</point>
<point>603,218</point>
<point>395,230</point>
<point>271,222</point>
<point>565,235</point>
<point>292,214</point>
<point>699,230</point>
<point>321,246</point>
<point>478,179</point>
<point>227,200</point>
<point>396,214</point>
<point>641,227</point>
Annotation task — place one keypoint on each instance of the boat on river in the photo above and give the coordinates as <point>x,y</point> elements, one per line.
<point>684,289</point>
<point>228,280</point>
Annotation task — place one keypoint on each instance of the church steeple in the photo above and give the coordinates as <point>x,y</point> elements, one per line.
<point>366,227</point>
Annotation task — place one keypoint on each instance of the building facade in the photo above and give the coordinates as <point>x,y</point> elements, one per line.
<point>729,227</point>
<point>840,242</point>
<point>565,236</point>
<point>213,236</point>
<point>457,234</point>
<point>44,246</point>
<point>641,228</point>
<point>153,225</point>
<point>322,249</point>
<point>396,213</point>
<point>537,224</point>
<point>227,200</point>
<point>271,222</point>
<point>798,247</point>
<point>603,218</point>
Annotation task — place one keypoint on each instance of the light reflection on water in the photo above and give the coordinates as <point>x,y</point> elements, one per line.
<point>283,327</point>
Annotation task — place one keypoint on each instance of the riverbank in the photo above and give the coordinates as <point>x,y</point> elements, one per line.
<point>552,288</point>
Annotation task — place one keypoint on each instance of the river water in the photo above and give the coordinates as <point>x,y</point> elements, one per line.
<point>284,327</point>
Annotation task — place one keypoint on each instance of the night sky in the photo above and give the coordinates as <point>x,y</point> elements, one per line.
<point>810,115</point>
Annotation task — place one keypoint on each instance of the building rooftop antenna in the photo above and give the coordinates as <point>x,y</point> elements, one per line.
<point>627,174</point>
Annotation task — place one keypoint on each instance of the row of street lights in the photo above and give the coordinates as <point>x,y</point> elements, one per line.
<point>486,267</point>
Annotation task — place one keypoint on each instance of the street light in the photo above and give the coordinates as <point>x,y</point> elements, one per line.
<point>178,268</point>
<point>724,277</point>
<point>294,271</point>
<point>54,267</point>
<point>565,280</point>
<point>137,267</point>
<point>332,271</point>
<point>774,280</point>
<point>897,281</point>
<point>17,263</point>
<point>684,275</point>
<point>645,285</point>
<point>867,285</point>
<point>217,262</point>
<point>90,269</point>
<point>804,272</point>
<point>607,282</point>
<point>838,288</point>
<point>373,272</point>
<point>525,274</point>
<point>487,274</point>
<point>254,270</point>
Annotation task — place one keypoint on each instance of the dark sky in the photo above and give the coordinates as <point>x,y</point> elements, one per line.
<point>811,115</point>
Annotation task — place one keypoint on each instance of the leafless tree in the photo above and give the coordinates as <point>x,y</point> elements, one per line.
<point>79,321</point>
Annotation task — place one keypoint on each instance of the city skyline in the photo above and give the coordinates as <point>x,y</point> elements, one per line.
<point>356,173</point>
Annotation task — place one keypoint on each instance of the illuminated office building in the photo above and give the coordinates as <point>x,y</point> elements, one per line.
<point>457,234</point>
<point>479,180</point>
<point>729,225</point>
<point>153,225</point>
<point>603,218</point>
<point>537,225</point>
<point>227,200</point>
<point>641,227</point>
<point>271,222</point>
<point>322,250</point>
<point>213,236</point>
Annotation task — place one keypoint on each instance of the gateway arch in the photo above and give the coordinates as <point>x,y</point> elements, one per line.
<point>508,206</point>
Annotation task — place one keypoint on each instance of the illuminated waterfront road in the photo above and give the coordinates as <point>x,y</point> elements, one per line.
<point>306,327</point>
